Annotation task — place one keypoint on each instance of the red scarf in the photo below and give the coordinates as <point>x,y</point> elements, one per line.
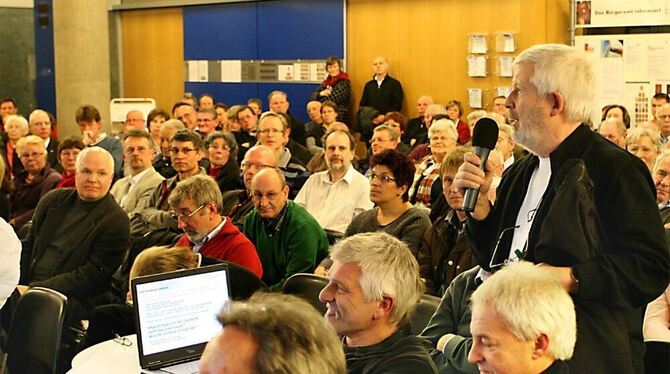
<point>67,181</point>
<point>332,81</point>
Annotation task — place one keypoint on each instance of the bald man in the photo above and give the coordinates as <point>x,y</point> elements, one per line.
<point>383,92</point>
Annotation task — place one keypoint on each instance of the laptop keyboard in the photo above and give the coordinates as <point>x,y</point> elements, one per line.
<point>190,367</point>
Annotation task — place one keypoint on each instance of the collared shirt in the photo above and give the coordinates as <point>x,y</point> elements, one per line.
<point>664,205</point>
<point>273,225</point>
<point>198,246</point>
<point>380,81</point>
<point>46,143</point>
<point>335,204</point>
<point>100,138</point>
<point>508,162</point>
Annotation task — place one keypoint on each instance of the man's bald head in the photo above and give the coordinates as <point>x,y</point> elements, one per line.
<point>614,130</point>
<point>269,192</point>
<point>257,158</point>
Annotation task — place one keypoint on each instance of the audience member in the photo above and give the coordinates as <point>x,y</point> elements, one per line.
<point>506,144</point>
<point>397,121</point>
<point>499,105</point>
<point>189,99</point>
<point>39,123</point>
<point>186,114</point>
<point>237,203</point>
<point>16,127</point>
<point>288,239</point>
<point>476,115</point>
<point>68,150</point>
<point>390,180</point>
<point>273,132</point>
<point>197,206</point>
<point>35,181</point>
<point>246,136</point>
<point>143,178</point>
<point>434,112</point>
<point>661,177</point>
<point>272,333</point>
<point>134,119</point>
<point>334,197</point>
<point>90,123</point>
<point>424,190</point>
<point>616,111</point>
<point>336,88</point>
<point>155,121</point>
<point>656,333</point>
<point>598,216</point>
<point>444,251</point>
<point>11,257</point>
<point>523,321</point>
<point>278,102</point>
<point>658,100</point>
<point>383,93</point>
<point>614,130</point>
<point>163,162</point>
<point>256,105</point>
<point>314,129</point>
<point>205,102</point>
<point>221,116</point>
<point>417,131</point>
<point>8,107</point>
<point>373,289</point>
<point>383,137</point>
<point>206,120</point>
<point>78,237</point>
<point>186,150</point>
<point>447,335</point>
<point>223,167</point>
<point>644,144</point>
<point>455,112</point>
<point>233,123</point>
<point>663,121</point>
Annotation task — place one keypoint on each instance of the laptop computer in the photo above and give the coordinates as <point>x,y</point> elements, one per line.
<point>175,315</point>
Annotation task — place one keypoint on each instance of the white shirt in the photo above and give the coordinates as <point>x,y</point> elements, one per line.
<point>334,205</point>
<point>508,162</point>
<point>524,220</point>
<point>10,252</point>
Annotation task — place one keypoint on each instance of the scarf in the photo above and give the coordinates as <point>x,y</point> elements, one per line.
<point>331,81</point>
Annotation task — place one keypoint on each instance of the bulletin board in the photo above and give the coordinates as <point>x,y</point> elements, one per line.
<point>630,69</point>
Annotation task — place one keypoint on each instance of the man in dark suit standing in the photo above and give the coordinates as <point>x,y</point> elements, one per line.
<point>39,123</point>
<point>383,92</point>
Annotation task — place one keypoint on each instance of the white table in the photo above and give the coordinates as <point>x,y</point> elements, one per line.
<point>108,357</point>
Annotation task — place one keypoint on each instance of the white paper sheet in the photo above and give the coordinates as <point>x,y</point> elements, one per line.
<point>475,97</point>
<point>476,66</point>
<point>478,44</point>
<point>231,71</point>
<point>203,71</point>
<point>505,66</point>
<point>285,72</point>
<point>508,43</point>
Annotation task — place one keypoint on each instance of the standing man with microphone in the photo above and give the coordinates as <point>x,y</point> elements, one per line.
<point>578,205</point>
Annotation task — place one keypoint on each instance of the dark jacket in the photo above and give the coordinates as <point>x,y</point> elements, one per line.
<point>385,98</point>
<point>91,254</point>
<point>229,177</point>
<point>599,217</point>
<point>25,196</point>
<point>444,253</point>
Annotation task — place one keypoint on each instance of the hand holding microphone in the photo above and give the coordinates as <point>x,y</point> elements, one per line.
<point>474,176</point>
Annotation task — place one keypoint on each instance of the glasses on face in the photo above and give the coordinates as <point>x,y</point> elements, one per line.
<point>131,150</point>
<point>270,131</point>
<point>183,215</point>
<point>256,195</point>
<point>185,151</point>
<point>29,155</point>
<point>248,165</point>
<point>380,140</point>
<point>383,178</point>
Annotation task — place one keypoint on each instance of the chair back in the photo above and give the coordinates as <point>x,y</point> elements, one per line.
<point>308,287</point>
<point>35,332</point>
<point>423,312</point>
<point>243,283</point>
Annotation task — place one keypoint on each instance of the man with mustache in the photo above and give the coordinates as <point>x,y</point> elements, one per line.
<point>335,196</point>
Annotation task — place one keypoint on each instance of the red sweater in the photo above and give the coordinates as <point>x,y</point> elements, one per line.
<point>463,132</point>
<point>230,245</point>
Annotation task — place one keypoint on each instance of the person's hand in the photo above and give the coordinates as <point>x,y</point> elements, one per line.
<point>564,275</point>
<point>470,175</point>
<point>87,137</point>
<point>326,92</point>
<point>322,271</point>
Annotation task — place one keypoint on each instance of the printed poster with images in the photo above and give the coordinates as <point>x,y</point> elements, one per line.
<point>608,13</point>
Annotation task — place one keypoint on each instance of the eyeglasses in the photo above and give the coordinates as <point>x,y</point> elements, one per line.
<point>519,254</point>
<point>257,165</point>
<point>33,155</point>
<point>384,178</point>
<point>270,131</point>
<point>379,140</point>
<point>184,216</point>
<point>185,151</point>
<point>130,150</point>
<point>122,340</point>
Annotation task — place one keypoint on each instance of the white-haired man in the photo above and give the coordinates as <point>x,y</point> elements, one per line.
<point>78,236</point>
<point>373,289</point>
<point>39,123</point>
<point>614,130</point>
<point>523,322</point>
<point>598,225</point>
<point>506,144</point>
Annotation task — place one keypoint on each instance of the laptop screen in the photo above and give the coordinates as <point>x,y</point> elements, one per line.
<point>178,309</point>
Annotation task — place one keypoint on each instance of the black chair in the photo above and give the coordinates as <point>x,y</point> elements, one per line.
<point>243,283</point>
<point>423,312</point>
<point>308,287</point>
<point>35,333</point>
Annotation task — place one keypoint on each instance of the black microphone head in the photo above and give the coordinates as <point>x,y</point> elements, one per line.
<point>485,133</point>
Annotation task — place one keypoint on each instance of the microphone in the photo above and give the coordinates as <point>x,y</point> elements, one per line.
<point>484,138</point>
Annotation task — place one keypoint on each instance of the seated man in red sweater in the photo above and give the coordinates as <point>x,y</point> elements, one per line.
<point>196,202</point>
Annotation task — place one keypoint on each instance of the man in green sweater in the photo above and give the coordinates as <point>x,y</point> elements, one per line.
<point>288,239</point>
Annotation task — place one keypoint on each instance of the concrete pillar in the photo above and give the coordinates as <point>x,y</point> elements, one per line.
<point>81,61</point>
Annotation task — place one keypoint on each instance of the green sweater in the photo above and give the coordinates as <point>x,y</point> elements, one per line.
<point>297,247</point>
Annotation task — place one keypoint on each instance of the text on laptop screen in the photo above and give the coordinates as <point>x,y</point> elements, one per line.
<point>180,312</point>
